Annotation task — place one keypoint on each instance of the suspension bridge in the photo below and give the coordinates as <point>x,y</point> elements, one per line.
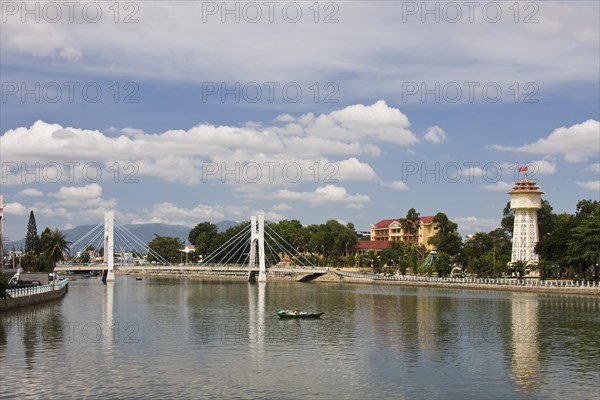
<point>256,251</point>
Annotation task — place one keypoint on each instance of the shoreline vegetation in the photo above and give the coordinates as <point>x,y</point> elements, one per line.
<point>526,286</point>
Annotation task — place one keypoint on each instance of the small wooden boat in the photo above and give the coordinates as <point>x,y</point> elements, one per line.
<point>298,314</point>
<point>138,278</point>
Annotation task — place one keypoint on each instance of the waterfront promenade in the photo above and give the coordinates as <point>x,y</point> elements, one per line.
<point>328,274</point>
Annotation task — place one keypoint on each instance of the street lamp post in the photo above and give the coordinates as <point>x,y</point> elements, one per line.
<point>346,254</point>
<point>494,258</point>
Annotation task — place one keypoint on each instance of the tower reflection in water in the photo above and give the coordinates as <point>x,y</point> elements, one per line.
<point>525,351</point>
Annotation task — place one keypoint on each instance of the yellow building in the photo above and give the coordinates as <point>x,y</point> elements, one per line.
<point>391,230</point>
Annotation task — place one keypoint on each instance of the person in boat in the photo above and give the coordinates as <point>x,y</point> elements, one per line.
<point>296,311</point>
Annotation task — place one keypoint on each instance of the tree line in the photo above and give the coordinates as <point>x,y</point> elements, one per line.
<point>568,247</point>
<point>41,253</point>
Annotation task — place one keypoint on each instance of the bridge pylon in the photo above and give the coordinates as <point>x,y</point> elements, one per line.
<point>109,218</point>
<point>257,244</point>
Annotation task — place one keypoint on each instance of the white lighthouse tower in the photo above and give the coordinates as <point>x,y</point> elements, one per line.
<point>525,201</point>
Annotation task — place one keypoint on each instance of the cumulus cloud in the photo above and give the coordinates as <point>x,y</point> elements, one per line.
<point>435,135</point>
<point>332,140</point>
<point>79,193</point>
<point>15,209</point>
<point>323,194</point>
<point>398,185</point>
<point>472,224</point>
<point>593,168</point>
<point>576,143</point>
<point>281,207</point>
<point>590,185</point>
<point>30,192</point>
<point>564,29</point>
<point>497,186</point>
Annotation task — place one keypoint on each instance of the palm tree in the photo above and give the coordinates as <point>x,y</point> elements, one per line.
<point>54,246</point>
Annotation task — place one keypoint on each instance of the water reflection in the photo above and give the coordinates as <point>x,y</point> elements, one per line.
<point>108,320</point>
<point>38,325</point>
<point>374,341</point>
<point>525,351</point>
<point>256,327</point>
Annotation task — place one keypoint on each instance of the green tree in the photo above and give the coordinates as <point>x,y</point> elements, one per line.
<point>166,247</point>
<point>519,267</point>
<point>3,285</point>
<point>447,239</point>
<point>292,232</point>
<point>487,254</point>
<point>228,253</point>
<point>34,262</point>
<point>553,248</point>
<point>583,245</point>
<point>331,240</point>
<point>202,235</point>
<point>410,224</point>
<point>443,264</point>
<point>32,240</point>
<point>54,247</point>
<point>392,256</point>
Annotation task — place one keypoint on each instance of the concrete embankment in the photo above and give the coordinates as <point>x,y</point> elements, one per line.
<point>587,291</point>
<point>29,300</point>
<point>331,276</point>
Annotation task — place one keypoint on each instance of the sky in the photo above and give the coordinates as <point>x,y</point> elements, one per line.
<point>181,112</point>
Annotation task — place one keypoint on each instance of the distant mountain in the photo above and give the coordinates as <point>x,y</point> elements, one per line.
<point>144,232</point>
<point>224,225</point>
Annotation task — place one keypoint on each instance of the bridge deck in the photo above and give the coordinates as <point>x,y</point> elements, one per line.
<point>190,268</point>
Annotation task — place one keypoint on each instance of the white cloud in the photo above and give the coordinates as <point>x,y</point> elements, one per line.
<point>350,169</point>
<point>472,224</point>
<point>323,194</point>
<point>15,209</point>
<point>398,185</point>
<point>281,207</point>
<point>591,185</point>
<point>30,192</point>
<point>541,167</point>
<point>205,152</point>
<point>270,216</point>
<point>497,186</point>
<point>170,213</point>
<point>79,193</point>
<point>575,143</point>
<point>593,168</point>
<point>324,51</point>
<point>435,135</point>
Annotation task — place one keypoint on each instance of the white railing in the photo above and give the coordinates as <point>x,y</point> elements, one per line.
<point>33,290</point>
<point>489,281</point>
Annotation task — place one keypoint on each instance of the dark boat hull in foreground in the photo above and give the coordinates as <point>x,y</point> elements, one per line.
<point>298,314</point>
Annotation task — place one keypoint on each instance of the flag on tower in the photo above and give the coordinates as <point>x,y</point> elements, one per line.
<point>523,169</point>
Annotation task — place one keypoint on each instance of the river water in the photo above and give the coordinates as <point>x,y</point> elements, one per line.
<point>188,338</point>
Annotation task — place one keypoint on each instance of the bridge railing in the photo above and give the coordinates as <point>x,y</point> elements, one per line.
<point>32,290</point>
<point>487,281</point>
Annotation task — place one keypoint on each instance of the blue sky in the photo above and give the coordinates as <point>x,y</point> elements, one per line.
<point>395,104</point>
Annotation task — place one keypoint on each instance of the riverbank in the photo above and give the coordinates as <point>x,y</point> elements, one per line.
<point>34,295</point>
<point>338,276</point>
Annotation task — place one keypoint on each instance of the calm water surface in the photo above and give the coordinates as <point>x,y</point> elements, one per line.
<point>188,338</point>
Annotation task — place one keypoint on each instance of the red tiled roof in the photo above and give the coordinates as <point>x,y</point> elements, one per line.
<point>427,220</point>
<point>372,244</point>
<point>384,223</point>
